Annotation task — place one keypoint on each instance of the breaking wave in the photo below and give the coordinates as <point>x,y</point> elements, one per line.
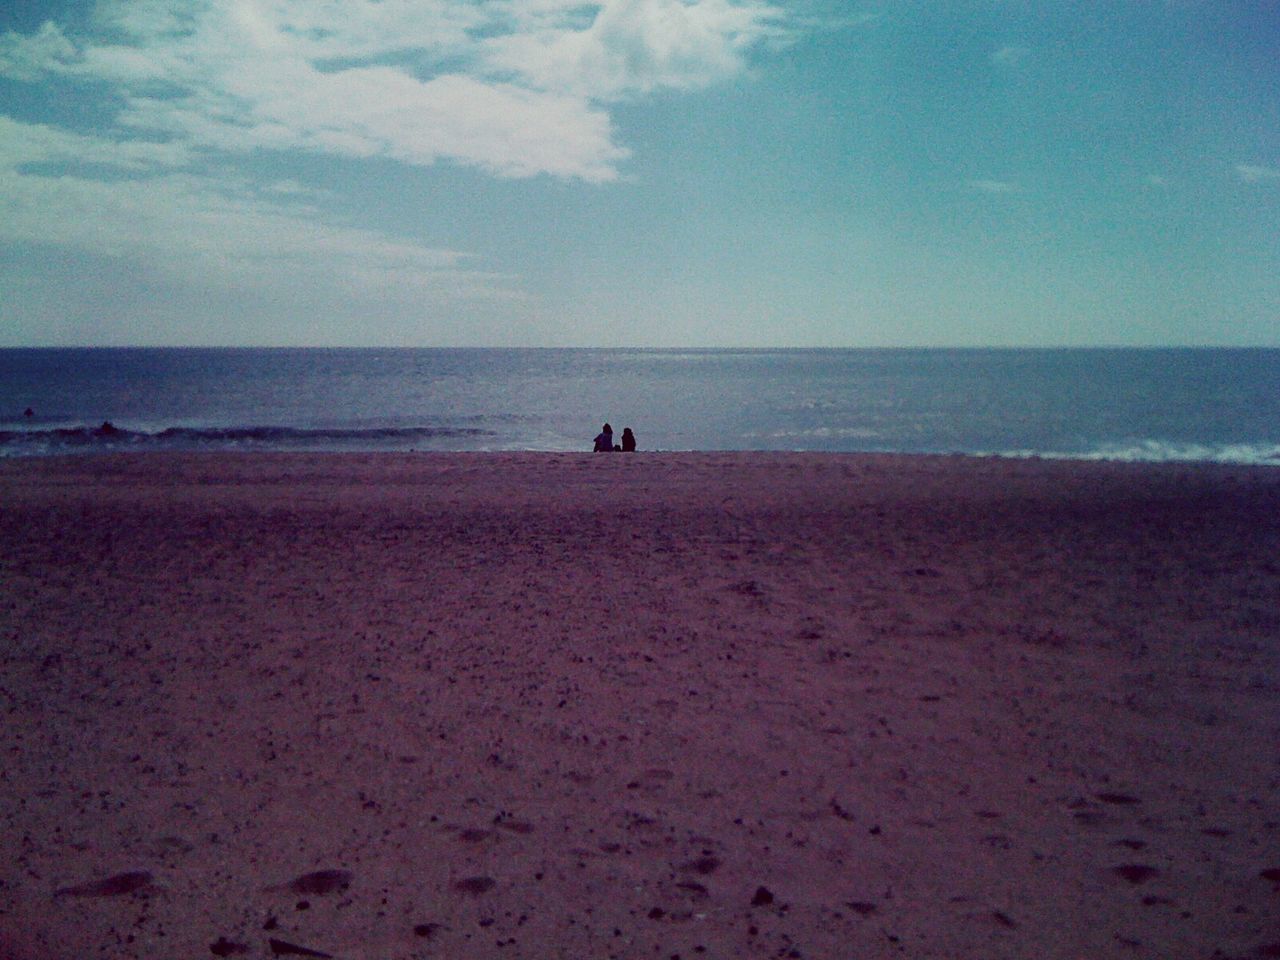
<point>109,437</point>
<point>1160,451</point>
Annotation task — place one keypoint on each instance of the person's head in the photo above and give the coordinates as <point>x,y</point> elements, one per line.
<point>626,431</point>
<point>606,429</point>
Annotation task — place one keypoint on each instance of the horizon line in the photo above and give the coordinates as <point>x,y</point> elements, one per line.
<point>641,347</point>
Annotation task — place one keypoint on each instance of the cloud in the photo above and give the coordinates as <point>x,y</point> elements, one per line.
<point>513,88</point>
<point>24,144</point>
<point>173,98</point>
<point>197,230</point>
<point>636,46</point>
<point>1252,173</point>
<point>379,111</point>
<point>292,188</point>
<point>28,57</point>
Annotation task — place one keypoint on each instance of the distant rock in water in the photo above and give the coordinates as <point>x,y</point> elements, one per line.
<point>114,886</point>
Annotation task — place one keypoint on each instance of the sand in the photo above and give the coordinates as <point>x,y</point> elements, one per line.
<point>652,705</point>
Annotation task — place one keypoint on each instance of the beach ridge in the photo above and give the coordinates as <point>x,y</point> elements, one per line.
<point>705,704</point>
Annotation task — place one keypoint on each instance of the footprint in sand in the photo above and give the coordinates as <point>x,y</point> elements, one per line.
<point>113,886</point>
<point>282,948</point>
<point>1090,818</point>
<point>475,885</point>
<point>995,918</point>
<point>1120,799</point>
<point>318,883</point>
<point>163,847</point>
<point>651,780</point>
<point>515,826</point>
<point>1135,873</point>
<point>1131,844</point>
<point>693,889</point>
<point>704,865</point>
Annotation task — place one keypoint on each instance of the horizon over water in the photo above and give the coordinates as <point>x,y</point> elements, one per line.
<point>1149,404</point>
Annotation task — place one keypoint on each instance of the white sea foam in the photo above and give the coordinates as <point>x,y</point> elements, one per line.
<point>1161,451</point>
<point>819,433</point>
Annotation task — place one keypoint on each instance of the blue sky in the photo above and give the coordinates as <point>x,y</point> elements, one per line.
<point>639,172</point>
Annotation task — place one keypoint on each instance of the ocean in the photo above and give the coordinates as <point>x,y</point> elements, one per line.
<point>1121,404</point>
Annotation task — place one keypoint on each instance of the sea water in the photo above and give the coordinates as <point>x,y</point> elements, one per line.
<point>1125,404</point>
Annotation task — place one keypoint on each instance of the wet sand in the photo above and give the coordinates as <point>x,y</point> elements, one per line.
<point>694,705</point>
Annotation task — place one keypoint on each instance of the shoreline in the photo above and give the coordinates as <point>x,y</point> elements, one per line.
<point>1010,456</point>
<point>559,704</point>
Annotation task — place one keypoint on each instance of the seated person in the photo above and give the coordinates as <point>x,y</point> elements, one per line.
<point>604,440</point>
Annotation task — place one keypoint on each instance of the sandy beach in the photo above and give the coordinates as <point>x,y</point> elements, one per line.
<point>655,705</point>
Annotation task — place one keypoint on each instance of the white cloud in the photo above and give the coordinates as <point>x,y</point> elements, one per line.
<point>196,230</point>
<point>26,143</point>
<point>635,46</point>
<point>511,87</point>
<point>1252,173</point>
<point>292,188</point>
<point>28,57</point>
<point>186,88</point>
<point>380,111</point>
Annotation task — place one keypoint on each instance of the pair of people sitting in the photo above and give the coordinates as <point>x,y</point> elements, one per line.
<point>604,441</point>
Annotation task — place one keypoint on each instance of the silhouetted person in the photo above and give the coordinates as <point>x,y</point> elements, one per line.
<point>604,440</point>
<point>28,412</point>
<point>628,440</point>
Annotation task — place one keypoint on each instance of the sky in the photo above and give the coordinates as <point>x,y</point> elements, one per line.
<point>736,173</point>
